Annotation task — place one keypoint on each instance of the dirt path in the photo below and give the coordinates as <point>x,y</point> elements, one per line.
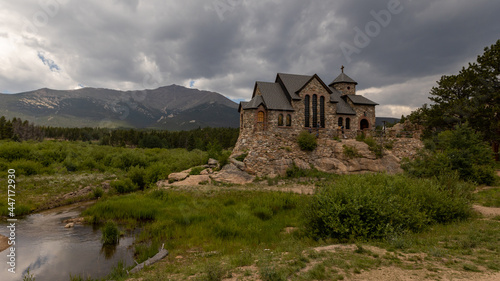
<point>487,211</point>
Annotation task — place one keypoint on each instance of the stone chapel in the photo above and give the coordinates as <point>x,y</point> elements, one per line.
<point>294,103</point>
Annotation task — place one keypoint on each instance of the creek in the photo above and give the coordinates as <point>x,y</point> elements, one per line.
<point>53,252</point>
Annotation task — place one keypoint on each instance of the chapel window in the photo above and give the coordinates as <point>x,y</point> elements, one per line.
<point>280,120</point>
<point>315,111</point>
<point>306,111</point>
<point>322,111</point>
<point>341,121</point>
<point>288,120</point>
<point>347,123</point>
<point>260,117</point>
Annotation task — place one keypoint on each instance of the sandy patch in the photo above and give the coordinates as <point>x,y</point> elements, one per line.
<point>487,211</point>
<point>3,242</point>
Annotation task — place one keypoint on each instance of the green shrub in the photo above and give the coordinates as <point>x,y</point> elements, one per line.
<point>26,167</point>
<point>351,152</point>
<point>461,150</point>
<point>307,141</point>
<point>110,233</point>
<point>373,146</point>
<point>156,172</point>
<point>224,158</point>
<point>137,175</point>
<point>373,206</point>
<point>97,192</point>
<point>241,157</point>
<point>124,186</point>
<point>196,170</point>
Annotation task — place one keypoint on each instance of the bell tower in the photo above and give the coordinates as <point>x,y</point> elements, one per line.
<point>344,84</point>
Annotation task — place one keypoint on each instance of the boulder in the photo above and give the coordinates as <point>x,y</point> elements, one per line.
<point>69,225</point>
<point>240,165</point>
<point>232,174</point>
<point>207,171</point>
<point>192,180</point>
<point>178,176</point>
<point>213,163</point>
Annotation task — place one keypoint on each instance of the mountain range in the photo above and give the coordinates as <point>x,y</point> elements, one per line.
<point>171,107</point>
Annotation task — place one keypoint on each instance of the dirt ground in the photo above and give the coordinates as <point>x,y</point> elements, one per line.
<point>3,243</point>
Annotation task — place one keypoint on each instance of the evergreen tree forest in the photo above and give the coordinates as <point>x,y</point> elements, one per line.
<point>19,130</point>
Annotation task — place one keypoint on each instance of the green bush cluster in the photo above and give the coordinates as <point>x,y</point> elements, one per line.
<point>373,206</point>
<point>460,150</point>
<point>307,141</point>
<point>124,186</point>
<point>110,233</point>
<point>350,152</point>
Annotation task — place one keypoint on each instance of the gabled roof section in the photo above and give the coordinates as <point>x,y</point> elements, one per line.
<point>271,96</point>
<point>356,99</point>
<point>292,83</point>
<point>343,78</point>
<point>342,106</point>
<point>254,103</point>
<point>320,81</point>
<point>335,95</point>
<point>274,96</point>
<point>242,105</point>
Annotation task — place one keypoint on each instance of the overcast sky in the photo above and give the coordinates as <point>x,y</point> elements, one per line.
<point>395,50</point>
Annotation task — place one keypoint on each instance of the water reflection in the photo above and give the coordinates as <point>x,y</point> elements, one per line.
<point>52,252</point>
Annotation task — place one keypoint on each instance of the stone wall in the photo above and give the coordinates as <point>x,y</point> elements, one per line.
<point>346,88</point>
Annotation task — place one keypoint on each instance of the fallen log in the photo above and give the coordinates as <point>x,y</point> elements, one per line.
<point>160,255</point>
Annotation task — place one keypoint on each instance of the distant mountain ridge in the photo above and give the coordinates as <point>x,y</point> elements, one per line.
<point>171,107</point>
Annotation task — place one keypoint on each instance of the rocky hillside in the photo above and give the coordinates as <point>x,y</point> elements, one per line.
<point>171,107</point>
<point>270,156</point>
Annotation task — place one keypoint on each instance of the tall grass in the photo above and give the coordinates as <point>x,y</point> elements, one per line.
<point>230,220</point>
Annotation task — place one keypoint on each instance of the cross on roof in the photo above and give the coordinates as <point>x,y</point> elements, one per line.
<point>342,69</point>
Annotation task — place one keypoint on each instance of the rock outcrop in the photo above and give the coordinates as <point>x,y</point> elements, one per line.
<point>272,155</point>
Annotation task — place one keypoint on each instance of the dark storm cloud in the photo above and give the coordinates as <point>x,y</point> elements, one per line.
<point>225,46</point>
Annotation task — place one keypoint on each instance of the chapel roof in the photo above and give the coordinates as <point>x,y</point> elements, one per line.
<point>293,83</point>
<point>343,78</point>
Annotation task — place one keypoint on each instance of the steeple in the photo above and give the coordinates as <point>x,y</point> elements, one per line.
<point>344,83</point>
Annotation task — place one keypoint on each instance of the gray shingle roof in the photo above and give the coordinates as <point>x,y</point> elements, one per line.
<point>356,99</point>
<point>335,96</point>
<point>342,106</point>
<point>254,103</point>
<point>293,83</point>
<point>343,78</point>
<point>274,96</point>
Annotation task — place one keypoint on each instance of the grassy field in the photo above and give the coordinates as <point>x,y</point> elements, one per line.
<point>46,171</point>
<point>215,233</point>
<point>350,226</point>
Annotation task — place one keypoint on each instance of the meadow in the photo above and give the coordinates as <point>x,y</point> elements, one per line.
<point>49,169</point>
<point>350,225</point>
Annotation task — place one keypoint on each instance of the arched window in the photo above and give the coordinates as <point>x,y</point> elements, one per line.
<point>288,120</point>
<point>364,124</point>
<point>315,111</point>
<point>306,111</point>
<point>260,117</point>
<point>280,120</point>
<point>261,126</point>
<point>322,111</point>
<point>347,123</point>
<point>341,121</point>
